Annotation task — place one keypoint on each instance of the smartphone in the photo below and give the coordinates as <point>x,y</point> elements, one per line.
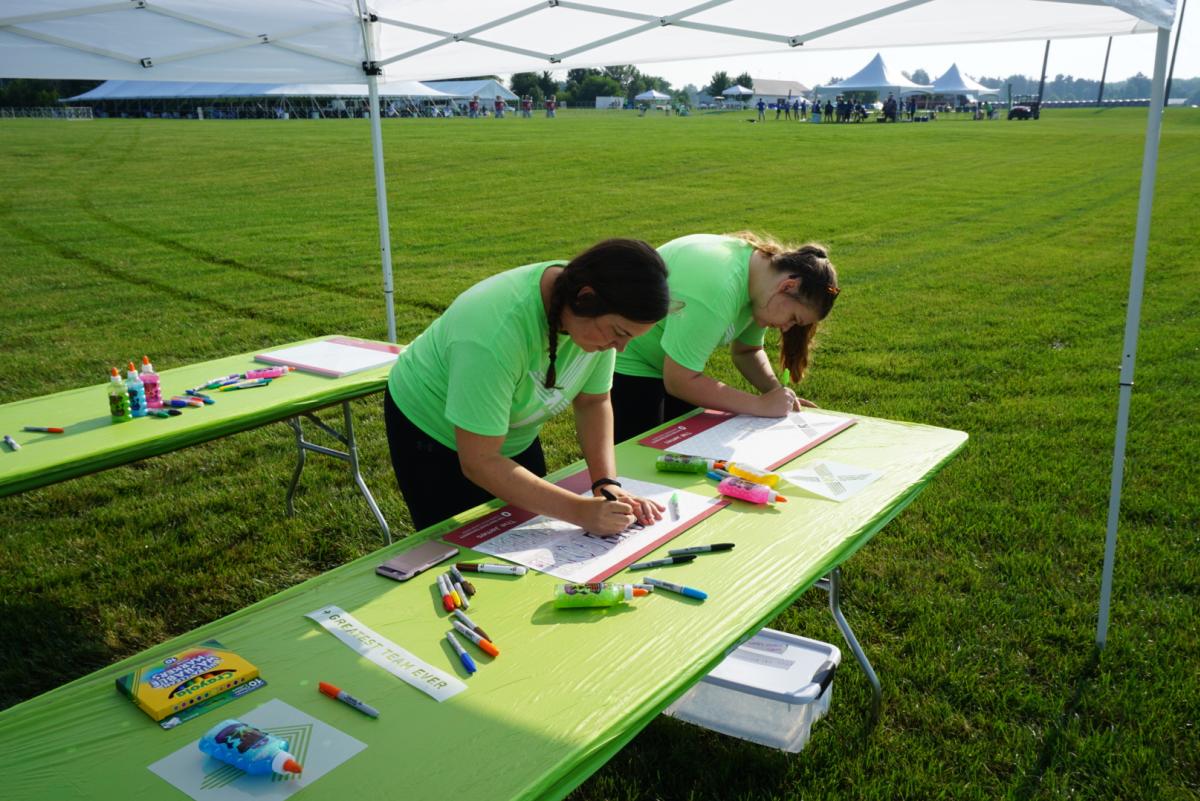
<point>410,563</point>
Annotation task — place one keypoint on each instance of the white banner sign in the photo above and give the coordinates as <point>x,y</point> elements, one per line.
<point>385,653</point>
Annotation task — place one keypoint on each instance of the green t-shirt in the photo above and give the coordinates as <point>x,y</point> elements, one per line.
<point>481,366</point>
<point>711,275</point>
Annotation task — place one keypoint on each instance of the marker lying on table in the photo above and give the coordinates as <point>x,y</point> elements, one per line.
<point>481,567</point>
<point>11,443</point>
<point>679,588</point>
<point>668,560</point>
<point>258,382</point>
<point>716,546</point>
<point>466,585</point>
<point>213,383</point>
<point>193,393</point>
<point>463,656</point>
<point>460,593</point>
<point>673,505</point>
<point>461,615</point>
<point>164,412</point>
<point>484,643</point>
<point>444,591</point>
<point>44,429</point>
<point>347,698</point>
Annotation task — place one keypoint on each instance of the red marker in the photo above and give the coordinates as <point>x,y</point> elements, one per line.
<point>44,429</point>
<point>447,598</point>
<point>346,698</point>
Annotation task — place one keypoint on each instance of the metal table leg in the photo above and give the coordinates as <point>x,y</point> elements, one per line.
<point>832,584</point>
<point>350,455</point>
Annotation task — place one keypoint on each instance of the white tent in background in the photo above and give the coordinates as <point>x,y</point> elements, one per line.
<point>652,96</point>
<point>953,82</point>
<point>351,41</point>
<point>737,90</point>
<point>877,76</point>
<point>170,90</point>
<point>487,89</point>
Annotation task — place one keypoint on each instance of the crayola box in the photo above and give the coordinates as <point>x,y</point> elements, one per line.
<point>186,679</point>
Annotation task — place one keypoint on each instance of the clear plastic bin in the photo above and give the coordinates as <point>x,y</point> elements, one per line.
<point>769,691</point>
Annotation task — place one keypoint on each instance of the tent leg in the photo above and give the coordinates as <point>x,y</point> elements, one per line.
<point>1133,315</point>
<point>385,239</point>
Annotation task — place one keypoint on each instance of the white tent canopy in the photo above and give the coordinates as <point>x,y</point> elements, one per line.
<point>487,89</point>
<point>737,90</point>
<point>651,95</point>
<point>953,82</point>
<point>355,41</point>
<point>877,76</point>
<point>169,90</point>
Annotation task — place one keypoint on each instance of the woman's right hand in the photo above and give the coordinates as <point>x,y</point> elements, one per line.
<point>776,403</point>
<point>602,516</point>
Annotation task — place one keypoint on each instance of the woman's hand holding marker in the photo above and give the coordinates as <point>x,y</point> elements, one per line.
<point>605,515</point>
<point>644,510</point>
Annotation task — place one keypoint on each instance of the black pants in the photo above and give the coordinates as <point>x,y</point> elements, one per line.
<point>640,404</point>
<point>429,474</point>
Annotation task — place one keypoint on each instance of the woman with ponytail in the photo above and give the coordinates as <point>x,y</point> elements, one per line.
<point>467,399</point>
<point>732,288</point>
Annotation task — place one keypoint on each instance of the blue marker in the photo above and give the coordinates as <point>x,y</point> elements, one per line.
<point>463,656</point>
<point>717,475</point>
<point>200,395</point>
<point>687,592</point>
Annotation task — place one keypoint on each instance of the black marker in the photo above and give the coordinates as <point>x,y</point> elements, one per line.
<point>717,546</point>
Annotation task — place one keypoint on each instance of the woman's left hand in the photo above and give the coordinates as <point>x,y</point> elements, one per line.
<point>645,510</point>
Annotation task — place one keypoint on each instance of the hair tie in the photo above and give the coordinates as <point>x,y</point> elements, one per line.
<point>832,290</point>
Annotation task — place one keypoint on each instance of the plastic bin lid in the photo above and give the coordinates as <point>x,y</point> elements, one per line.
<point>776,665</point>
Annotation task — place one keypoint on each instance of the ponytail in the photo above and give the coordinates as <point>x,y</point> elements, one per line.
<point>626,277</point>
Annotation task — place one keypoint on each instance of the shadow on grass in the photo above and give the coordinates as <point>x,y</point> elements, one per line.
<point>44,645</point>
<point>1052,747</point>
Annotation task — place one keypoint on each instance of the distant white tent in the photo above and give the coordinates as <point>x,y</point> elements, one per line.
<point>171,90</point>
<point>485,89</point>
<point>651,96</point>
<point>737,90</point>
<point>877,76</point>
<point>953,82</point>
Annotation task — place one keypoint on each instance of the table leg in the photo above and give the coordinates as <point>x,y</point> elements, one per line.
<point>350,456</point>
<point>832,584</point>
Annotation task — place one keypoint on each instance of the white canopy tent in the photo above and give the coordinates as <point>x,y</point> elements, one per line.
<point>356,41</point>
<point>486,89</point>
<point>953,82</point>
<point>877,76</point>
<point>651,96</point>
<point>147,90</point>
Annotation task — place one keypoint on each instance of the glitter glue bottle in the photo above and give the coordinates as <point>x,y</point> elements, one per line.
<point>118,398</point>
<point>678,463</point>
<point>150,382</point>
<point>578,596</point>
<point>249,749</point>
<point>137,392</point>
<point>739,488</point>
<point>751,474</point>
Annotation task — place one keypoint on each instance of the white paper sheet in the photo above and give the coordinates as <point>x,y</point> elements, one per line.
<point>317,746</point>
<point>570,553</point>
<point>832,480</point>
<point>759,441</point>
<point>329,357</point>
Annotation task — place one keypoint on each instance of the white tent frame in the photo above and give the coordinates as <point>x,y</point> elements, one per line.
<point>372,67</point>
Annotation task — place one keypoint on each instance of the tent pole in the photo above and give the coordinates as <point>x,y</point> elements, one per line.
<point>1104,72</point>
<point>1141,242</point>
<point>385,239</point>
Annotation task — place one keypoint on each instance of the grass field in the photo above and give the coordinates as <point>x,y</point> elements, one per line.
<point>985,271</point>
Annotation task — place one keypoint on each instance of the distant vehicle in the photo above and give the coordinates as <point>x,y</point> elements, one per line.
<point>1025,108</point>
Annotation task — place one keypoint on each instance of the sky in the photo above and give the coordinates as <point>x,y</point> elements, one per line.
<point>1080,58</point>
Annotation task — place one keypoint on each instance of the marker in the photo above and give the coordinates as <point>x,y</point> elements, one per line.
<point>44,429</point>
<point>258,382</point>
<point>461,615</point>
<point>466,585</point>
<point>164,412</point>
<point>716,546</point>
<point>463,656</point>
<point>11,443</point>
<point>189,400</point>
<point>679,588</point>
<point>454,596</point>
<point>459,593</point>
<point>444,589</point>
<point>213,383</point>
<point>608,496</point>
<point>268,372</point>
<point>669,560</point>
<point>481,567</point>
<point>673,505</point>
<point>646,587</point>
<point>199,395</point>
<point>347,698</point>
<point>484,643</point>
<point>717,475</point>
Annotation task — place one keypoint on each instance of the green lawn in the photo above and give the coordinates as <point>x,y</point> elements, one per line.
<point>985,271</point>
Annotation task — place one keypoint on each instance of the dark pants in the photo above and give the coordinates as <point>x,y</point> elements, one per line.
<point>429,474</point>
<point>640,404</point>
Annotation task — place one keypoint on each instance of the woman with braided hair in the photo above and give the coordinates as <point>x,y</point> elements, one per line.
<point>732,288</point>
<point>467,398</point>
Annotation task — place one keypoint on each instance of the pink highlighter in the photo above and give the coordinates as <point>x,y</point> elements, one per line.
<point>739,488</point>
<point>268,372</point>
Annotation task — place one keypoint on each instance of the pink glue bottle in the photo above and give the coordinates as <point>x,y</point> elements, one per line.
<point>268,372</point>
<point>734,487</point>
<point>151,385</point>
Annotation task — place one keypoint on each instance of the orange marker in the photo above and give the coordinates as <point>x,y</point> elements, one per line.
<point>484,645</point>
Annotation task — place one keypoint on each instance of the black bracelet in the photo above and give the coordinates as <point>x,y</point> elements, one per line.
<point>604,482</point>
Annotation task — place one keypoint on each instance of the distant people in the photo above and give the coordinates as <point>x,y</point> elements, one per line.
<point>473,108</point>
<point>889,108</point>
<point>796,110</point>
<point>551,105</point>
<point>912,107</point>
<point>527,107</point>
<point>803,108</point>
<point>498,104</point>
<point>778,107</point>
<point>828,111</point>
<point>762,110</point>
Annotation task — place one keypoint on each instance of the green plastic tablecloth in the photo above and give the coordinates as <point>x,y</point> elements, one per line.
<point>93,443</point>
<point>567,691</point>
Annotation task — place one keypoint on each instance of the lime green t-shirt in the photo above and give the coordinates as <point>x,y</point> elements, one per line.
<point>482,365</point>
<point>711,275</point>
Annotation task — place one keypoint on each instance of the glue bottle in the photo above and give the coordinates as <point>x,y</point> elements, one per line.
<point>268,372</point>
<point>751,474</point>
<point>574,596</point>
<point>150,382</point>
<point>249,749</point>
<point>137,392</point>
<point>118,398</point>
<point>678,463</point>
<point>740,488</point>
